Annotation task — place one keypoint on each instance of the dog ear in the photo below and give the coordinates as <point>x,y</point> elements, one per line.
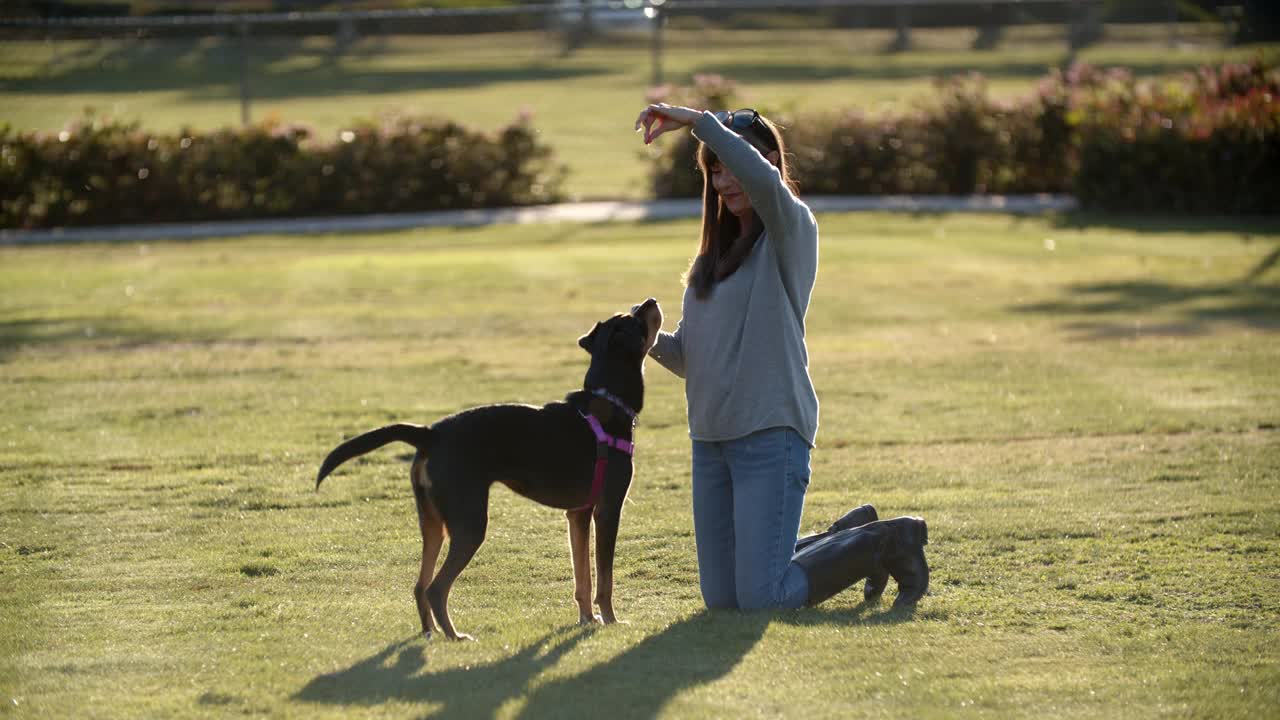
<point>586,341</point>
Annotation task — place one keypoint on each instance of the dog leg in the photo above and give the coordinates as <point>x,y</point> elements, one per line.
<point>432,528</point>
<point>606,539</point>
<point>465,519</point>
<point>580,550</point>
<point>461,549</point>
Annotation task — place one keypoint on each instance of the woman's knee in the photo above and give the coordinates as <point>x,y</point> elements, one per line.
<point>760,598</point>
<point>784,593</point>
<point>719,598</point>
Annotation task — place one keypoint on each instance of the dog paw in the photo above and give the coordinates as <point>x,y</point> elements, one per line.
<point>463,636</point>
<point>584,619</point>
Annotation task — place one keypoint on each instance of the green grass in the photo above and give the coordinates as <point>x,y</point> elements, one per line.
<point>585,104</point>
<point>1090,431</point>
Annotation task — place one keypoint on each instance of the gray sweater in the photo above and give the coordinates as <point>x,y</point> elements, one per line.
<point>741,350</point>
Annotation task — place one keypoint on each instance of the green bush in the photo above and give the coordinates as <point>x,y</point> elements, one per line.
<point>102,171</point>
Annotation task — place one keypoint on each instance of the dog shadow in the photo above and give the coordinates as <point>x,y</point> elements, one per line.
<point>639,682</point>
<point>396,674</point>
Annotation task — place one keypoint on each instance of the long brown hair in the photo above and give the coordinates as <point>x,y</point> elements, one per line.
<point>718,255</point>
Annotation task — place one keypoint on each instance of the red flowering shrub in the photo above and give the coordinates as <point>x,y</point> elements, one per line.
<point>1207,144</point>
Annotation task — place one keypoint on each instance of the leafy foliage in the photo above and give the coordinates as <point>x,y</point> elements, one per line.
<point>100,170</point>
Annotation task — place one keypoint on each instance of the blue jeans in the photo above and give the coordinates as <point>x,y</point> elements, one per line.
<point>748,494</point>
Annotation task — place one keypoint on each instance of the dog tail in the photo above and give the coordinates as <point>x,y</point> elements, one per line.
<point>415,435</point>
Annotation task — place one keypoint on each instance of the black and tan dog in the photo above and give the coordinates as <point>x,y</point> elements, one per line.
<point>573,455</point>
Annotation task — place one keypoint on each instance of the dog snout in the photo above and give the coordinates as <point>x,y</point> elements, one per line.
<point>643,307</point>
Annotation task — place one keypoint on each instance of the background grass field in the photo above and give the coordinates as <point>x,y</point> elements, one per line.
<point>584,104</point>
<point>1085,410</point>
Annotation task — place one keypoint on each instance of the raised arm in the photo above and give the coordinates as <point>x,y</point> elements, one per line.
<point>792,229</point>
<point>778,207</point>
<point>789,221</point>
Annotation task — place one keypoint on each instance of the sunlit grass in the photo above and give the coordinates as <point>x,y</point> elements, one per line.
<point>1089,429</point>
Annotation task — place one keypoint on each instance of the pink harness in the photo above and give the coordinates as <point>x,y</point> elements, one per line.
<point>604,441</point>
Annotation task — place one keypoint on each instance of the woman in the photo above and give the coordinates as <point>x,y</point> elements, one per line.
<point>753,412</point>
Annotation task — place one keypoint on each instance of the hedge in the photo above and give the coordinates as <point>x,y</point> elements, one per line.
<point>103,171</point>
<point>1210,144</point>
<point>1205,143</point>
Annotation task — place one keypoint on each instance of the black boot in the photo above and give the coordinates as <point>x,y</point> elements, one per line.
<point>895,547</point>
<point>861,515</point>
<point>905,561</point>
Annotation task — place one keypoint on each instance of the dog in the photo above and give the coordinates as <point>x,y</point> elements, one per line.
<point>573,455</point>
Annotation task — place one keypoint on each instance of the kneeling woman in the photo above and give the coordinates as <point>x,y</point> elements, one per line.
<point>753,412</point>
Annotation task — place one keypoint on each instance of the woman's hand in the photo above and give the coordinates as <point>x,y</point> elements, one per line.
<point>663,118</point>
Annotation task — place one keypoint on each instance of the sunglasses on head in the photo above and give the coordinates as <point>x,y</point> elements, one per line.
<point>740,120</point>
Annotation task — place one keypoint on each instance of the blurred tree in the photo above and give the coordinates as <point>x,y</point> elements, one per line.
<point>991,29</point>
<point>580,32</point>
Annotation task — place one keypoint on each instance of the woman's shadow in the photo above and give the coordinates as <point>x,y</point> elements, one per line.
<point>396,673</point>
<point>691,652</point>
<point>695,651</point>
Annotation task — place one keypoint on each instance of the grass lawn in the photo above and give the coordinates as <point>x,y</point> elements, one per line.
<point>1084,410</point>
<point>584,103</point>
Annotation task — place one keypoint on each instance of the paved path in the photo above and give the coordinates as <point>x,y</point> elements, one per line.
<point>587,212</point>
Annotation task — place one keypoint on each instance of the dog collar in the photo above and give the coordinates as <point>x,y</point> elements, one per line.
<point>617,402</point>
<point>604,442</point>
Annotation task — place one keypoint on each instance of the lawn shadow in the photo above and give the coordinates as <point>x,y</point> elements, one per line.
<point>58,331</point>
<point>920,67</point>
<point>781,73</point>
<point>1115,309</point>
<point>697,650</point>
<point>396,673</point>
<point>282,69</point>
<point>864,613</point>
<point>692,652</point>
<point>1245,226</point>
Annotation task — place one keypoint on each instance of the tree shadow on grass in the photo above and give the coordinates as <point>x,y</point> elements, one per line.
<point>59,331</point>
<point>1115,309</point>
<point>870,67</point>
<point>1245,226</point>
<point>778,73</point>
<point>639,682</point>
<point>278,70</point>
